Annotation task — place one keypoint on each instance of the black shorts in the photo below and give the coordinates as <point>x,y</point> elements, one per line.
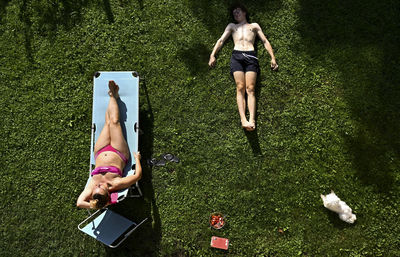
<point>244,61</point>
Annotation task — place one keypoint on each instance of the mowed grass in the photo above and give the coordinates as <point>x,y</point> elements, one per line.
<point>328,120</point>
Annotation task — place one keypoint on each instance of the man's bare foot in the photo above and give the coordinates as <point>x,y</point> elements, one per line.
<point>246,125</point>
<point>114,88</point>
<point>252,125</point>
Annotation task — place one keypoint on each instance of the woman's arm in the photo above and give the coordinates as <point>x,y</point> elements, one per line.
<point>130,180</point>
<point>84,198</point>
<point>219,44</point>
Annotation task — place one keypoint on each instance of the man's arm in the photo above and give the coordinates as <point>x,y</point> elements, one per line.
<point>220,43</point>
<point>267,46</point>
<point>131,179</point>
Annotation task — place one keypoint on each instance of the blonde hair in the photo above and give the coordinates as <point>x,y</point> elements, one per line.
<point>99,201</point>
<point>93,203</point>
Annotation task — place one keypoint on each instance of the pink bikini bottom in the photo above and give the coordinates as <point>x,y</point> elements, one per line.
<point>111,149</point>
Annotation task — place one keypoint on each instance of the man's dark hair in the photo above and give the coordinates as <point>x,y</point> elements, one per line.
<point>241,7</point>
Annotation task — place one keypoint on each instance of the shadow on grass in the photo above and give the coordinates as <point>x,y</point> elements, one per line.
<point>50,16</point>
<point>108,11</point>
<point>195,58</point>
<point>27,31</point>
<point>3,5</point>
<point>146,240</point>
<point>362,37</point>
<point>252,137</point>
<point>215,15</point>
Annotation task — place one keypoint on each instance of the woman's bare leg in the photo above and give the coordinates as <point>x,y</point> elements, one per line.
<point>117,138</point>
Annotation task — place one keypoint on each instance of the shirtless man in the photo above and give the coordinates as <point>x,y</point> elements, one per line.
<point>244,63</point>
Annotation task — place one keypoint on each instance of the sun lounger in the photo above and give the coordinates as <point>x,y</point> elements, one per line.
<point>105,225</point>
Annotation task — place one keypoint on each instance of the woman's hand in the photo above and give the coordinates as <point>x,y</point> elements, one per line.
<point>128,181</point>
<point>137,155</point>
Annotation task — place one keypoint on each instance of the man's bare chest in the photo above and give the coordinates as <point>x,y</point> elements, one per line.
<point>245,31</point>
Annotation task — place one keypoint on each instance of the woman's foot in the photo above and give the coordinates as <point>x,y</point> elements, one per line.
<point>113,89</point>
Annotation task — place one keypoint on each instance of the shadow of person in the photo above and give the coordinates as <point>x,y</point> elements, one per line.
<point>122,115</point>
<point>252,137</point>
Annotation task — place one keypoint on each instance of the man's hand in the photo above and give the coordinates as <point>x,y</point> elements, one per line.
<point>274,65</point>
<point>212,61</point>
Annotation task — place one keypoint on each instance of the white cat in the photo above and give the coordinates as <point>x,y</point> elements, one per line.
<point>333,203</point>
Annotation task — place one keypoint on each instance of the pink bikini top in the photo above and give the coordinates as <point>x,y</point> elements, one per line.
<point>103,170</point>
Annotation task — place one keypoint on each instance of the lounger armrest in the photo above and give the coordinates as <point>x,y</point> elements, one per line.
<point>92,139</point>
<point>92,216</point>
<point>136,127</point>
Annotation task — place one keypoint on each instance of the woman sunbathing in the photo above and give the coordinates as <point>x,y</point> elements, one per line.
<point>111,155</point>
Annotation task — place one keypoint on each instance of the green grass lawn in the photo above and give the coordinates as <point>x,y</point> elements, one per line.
<point>328,120</point>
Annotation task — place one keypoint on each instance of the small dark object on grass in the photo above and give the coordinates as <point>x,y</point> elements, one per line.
<point>163,158</point>
<point>170,157</point>
<point>155,162</point>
